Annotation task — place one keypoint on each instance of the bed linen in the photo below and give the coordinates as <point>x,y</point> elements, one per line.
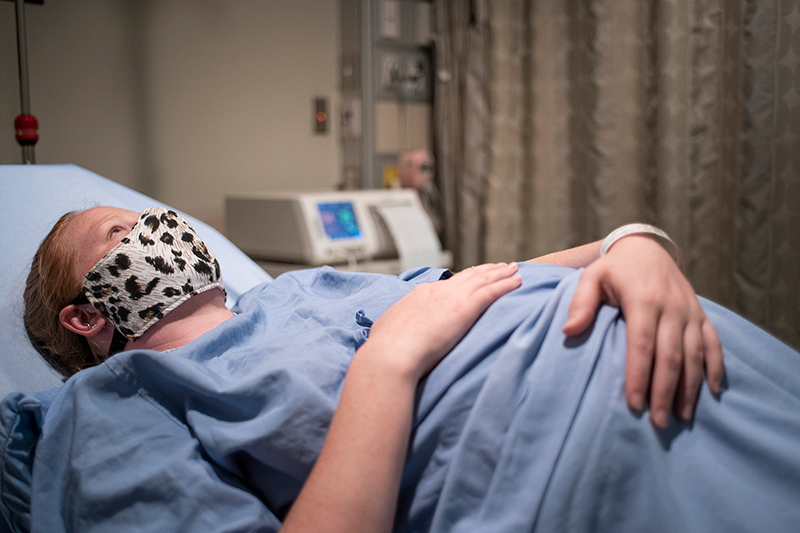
<point>518,429</point>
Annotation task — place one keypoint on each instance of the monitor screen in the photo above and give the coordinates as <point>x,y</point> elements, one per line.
<point>339,220</point>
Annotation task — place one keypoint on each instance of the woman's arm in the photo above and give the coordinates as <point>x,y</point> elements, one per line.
<point>669,339</point>
<point>578,257</point>
<point>354,484</point>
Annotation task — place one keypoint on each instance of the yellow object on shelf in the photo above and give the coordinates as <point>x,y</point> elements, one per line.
<point>391,177</point>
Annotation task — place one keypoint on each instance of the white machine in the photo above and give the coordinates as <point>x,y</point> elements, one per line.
<point>375,230</point>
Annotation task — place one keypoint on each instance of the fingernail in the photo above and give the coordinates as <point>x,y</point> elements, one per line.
<point>660,418</point>
<point>502,264</point>
<point>686,413</point>
<point>637,401</point>
<point>512,265</point>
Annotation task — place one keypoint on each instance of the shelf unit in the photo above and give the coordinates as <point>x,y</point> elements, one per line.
<point>386,82</point>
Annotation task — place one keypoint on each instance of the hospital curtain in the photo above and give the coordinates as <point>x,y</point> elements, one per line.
<point>557,121</point>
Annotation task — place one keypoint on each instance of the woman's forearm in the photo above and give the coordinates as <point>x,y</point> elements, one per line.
<point>355,483</point>
<point>578,257</point>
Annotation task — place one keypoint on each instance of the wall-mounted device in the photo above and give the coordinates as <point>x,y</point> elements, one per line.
<point>334,227</point>
<point>320,115</point>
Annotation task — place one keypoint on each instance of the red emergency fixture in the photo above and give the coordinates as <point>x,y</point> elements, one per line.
<point>27,130</point>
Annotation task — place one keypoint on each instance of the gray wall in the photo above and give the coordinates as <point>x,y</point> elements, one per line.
<point>182,100</point>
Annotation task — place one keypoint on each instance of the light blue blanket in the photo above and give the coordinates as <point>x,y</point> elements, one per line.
<point>518,429</point>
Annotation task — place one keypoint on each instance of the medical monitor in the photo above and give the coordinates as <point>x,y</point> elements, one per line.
<point>339,220</point>
<point>330,227</point>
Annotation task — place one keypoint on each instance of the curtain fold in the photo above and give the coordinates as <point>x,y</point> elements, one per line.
<point>548,202</point>
<point>507,151</point>
<point>461,116</point>
<point>558,121</point>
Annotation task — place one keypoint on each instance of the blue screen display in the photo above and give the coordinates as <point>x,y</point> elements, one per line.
<point>339,220</point>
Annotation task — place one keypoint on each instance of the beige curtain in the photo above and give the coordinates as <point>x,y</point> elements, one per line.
<point>557,121</point>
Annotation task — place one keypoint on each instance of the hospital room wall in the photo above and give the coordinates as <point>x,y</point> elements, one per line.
<point>182,100</point>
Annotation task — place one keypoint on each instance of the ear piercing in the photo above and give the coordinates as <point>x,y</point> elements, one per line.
<point>92,326</point>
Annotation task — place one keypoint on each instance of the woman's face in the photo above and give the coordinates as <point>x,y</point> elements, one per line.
<point>95,232</point>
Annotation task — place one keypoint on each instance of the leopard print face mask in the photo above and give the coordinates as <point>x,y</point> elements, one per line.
<point>159,265</point>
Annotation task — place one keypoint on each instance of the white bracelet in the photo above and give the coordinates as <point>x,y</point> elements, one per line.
<point>631,229</point>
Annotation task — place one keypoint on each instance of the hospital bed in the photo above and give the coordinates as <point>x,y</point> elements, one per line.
<point>33,197</point>
<point>547,442</point>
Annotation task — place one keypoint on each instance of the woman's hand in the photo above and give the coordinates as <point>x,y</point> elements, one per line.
<point>669,339</point>
<point>421,328</point>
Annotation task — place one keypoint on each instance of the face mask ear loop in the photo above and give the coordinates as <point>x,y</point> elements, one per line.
<point>118,342</point>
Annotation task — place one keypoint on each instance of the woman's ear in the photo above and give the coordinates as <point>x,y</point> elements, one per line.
<point>82,319</point>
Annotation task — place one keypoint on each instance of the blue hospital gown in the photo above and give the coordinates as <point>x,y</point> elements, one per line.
<point>518,429</point>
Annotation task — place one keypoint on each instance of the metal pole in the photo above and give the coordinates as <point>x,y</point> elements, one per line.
<point>368,178</point>
<point>28,156</point>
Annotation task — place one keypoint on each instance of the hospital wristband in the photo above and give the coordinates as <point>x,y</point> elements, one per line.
<point>632,229</point>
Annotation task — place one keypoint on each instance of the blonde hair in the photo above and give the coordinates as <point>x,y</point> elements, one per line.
<point>52,285</point>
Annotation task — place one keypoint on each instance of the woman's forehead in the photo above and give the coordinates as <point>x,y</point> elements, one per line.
<point>87,233</point>
<point>92,218</point>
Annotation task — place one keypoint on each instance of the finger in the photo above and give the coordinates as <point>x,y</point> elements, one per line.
<point>496,271</point>
<point>489,293</point>
<point>666,370</point>
<point>640,338</point>
<point>478,269</point>
<point>585,301</point>
<point>715,366</point>
<point>692,375</point>
<point>472,273</point>
<point>485,276</point>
